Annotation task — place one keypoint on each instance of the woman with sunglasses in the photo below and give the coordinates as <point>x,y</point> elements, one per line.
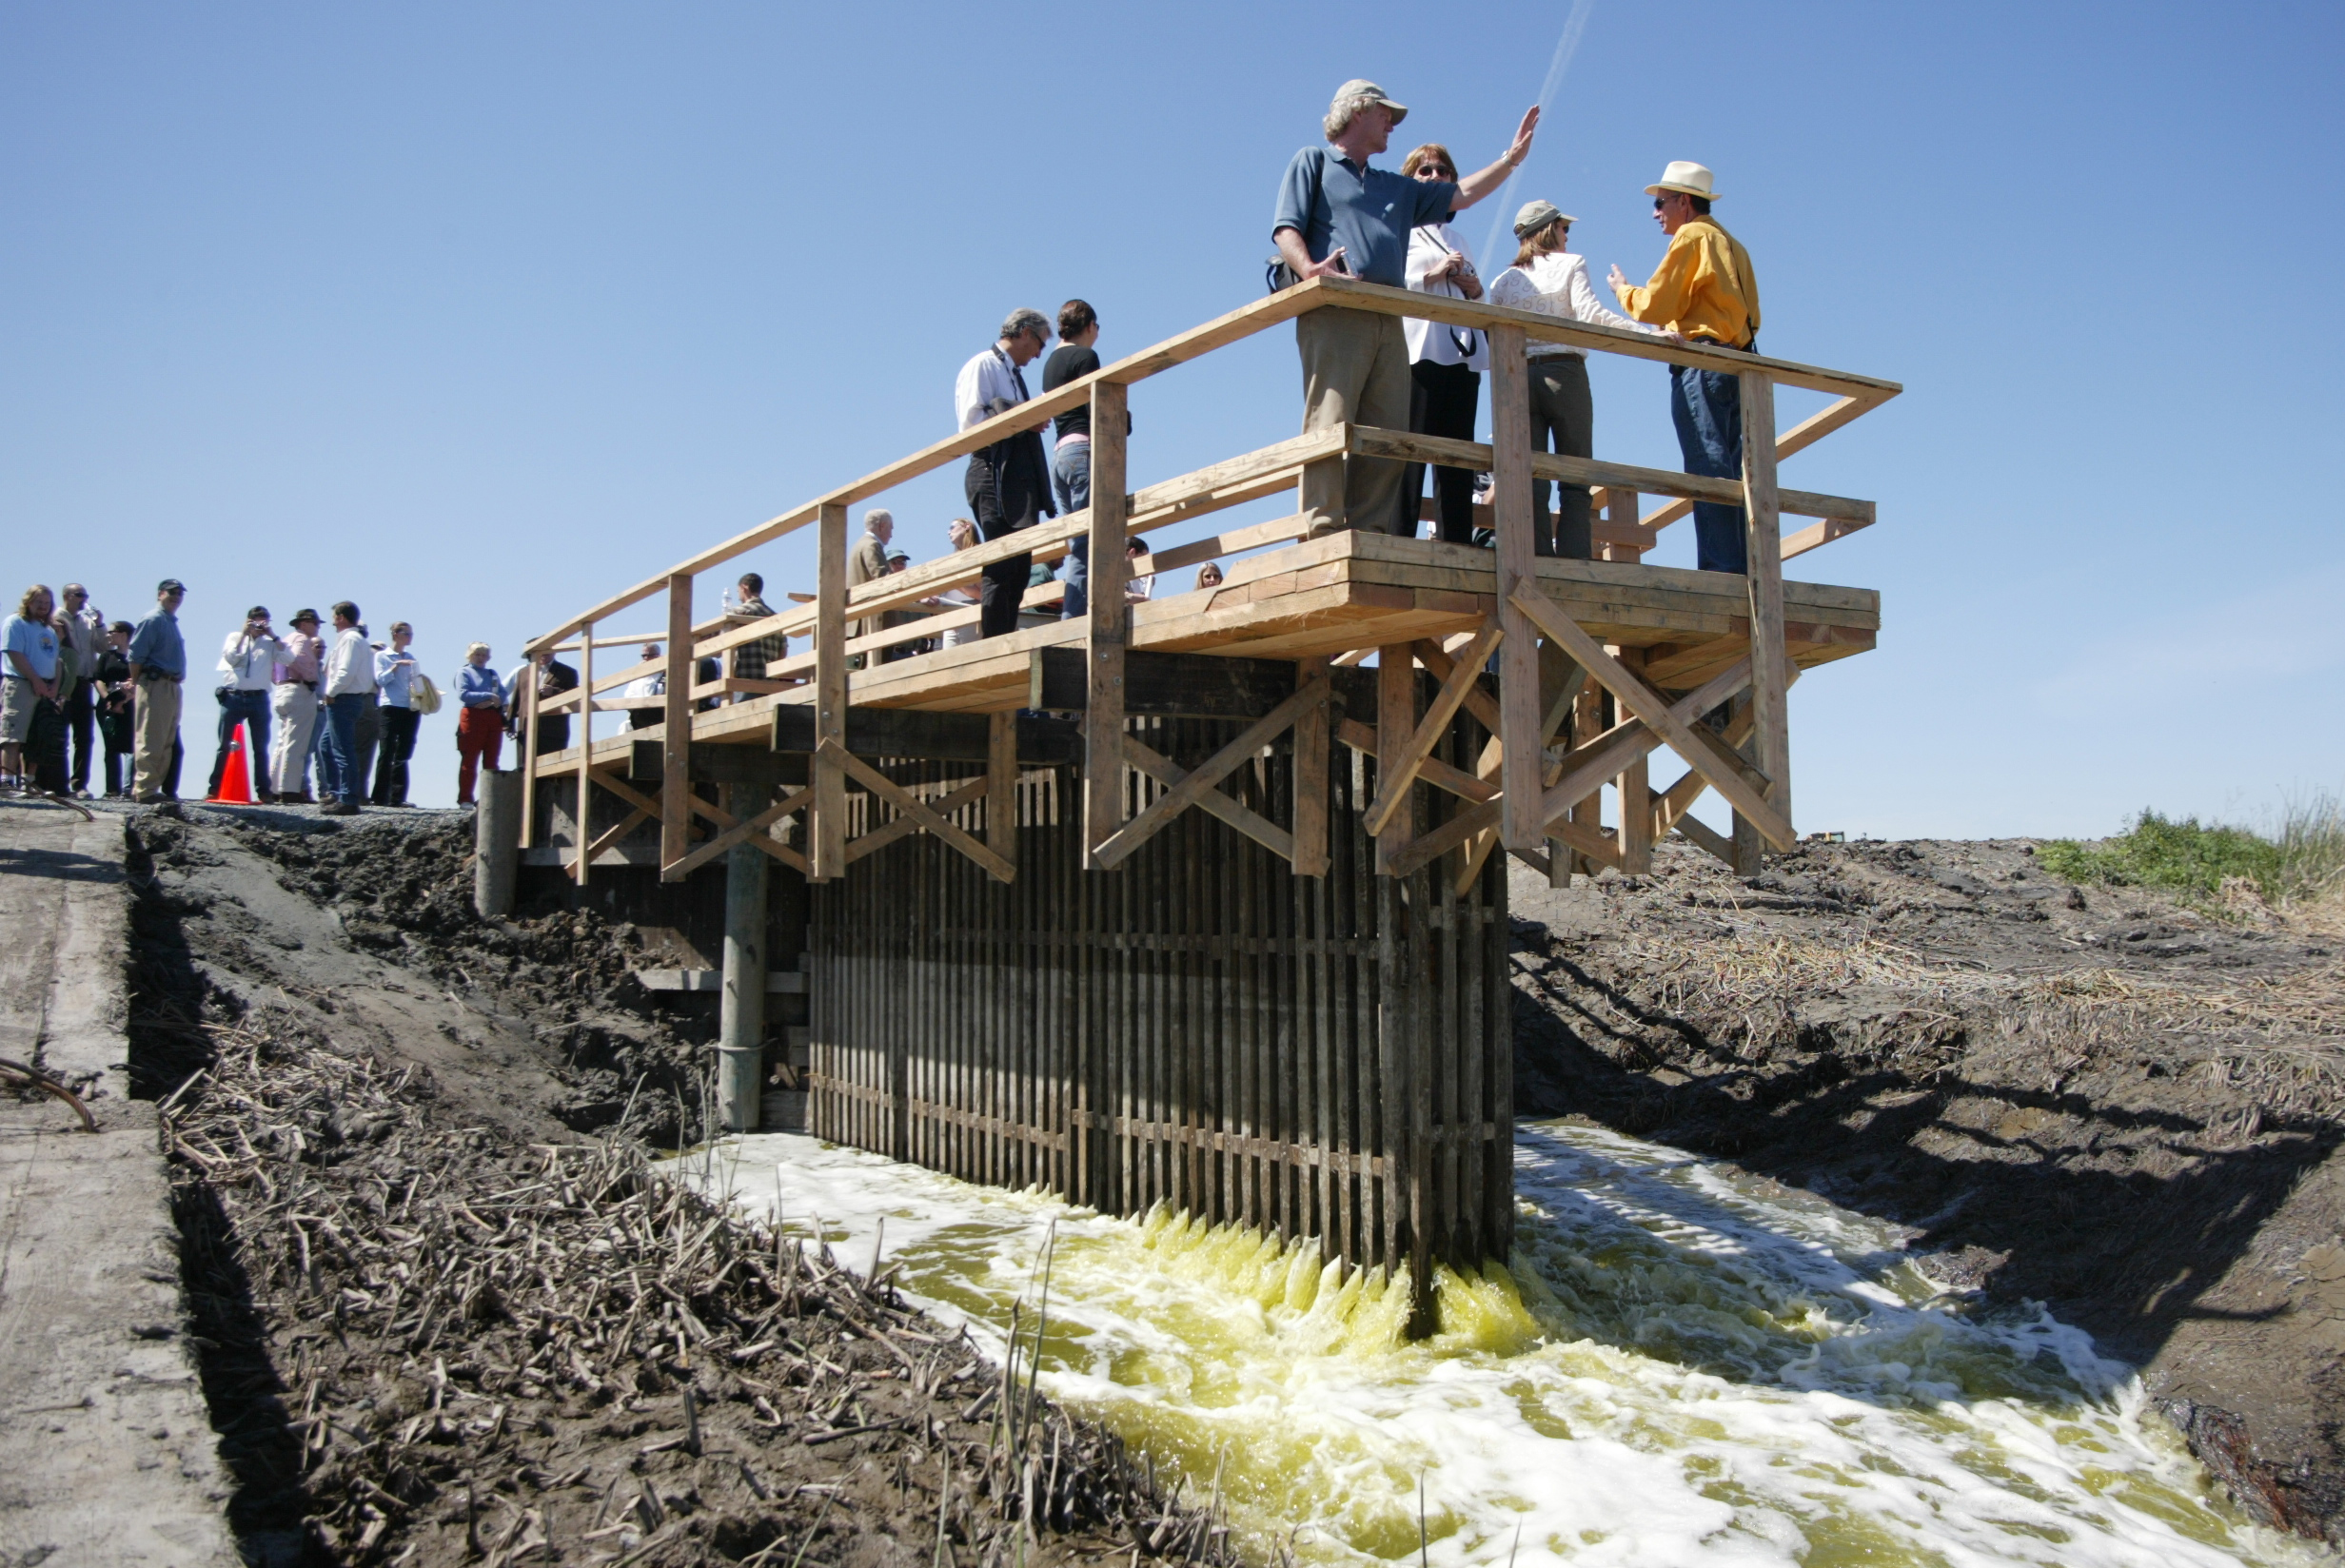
<point>1546,277</point>
<point>1445,362</point>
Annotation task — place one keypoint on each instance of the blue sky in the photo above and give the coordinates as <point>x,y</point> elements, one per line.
<point>474,314</point>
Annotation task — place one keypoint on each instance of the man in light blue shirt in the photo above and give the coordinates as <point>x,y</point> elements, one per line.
<point>158,665</point>
<point>1337,217</point>
<point>29,681</point>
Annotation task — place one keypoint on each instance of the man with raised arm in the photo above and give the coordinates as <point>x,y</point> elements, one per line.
<point>1009,483</point>
<point>1337,217</point>
<point>1706,292</point>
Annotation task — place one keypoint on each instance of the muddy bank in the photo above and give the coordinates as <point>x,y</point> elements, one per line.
<point>447,1314</point>
<point>2097,1099</point>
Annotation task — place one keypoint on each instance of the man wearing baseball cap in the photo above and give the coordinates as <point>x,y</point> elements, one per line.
<point>1337,217</point>
<point>1706,292</point>
<point>249,660</point>
<point>158,666</point>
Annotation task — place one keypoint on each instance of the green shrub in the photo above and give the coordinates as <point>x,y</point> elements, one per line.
<point>2186,858</point>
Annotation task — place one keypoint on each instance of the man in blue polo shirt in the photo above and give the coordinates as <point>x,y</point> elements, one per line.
<point>1338,216</point>
<point>158,666</point>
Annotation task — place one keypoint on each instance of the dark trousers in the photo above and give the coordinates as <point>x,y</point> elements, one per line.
<point>339,775</point>
<point>1007,491</point>
<point>243,708</point>
<point>1442,401</point>
<point>366,735</point>
<point>1707,409</point>
<point>81,724</point>
<point>45,747</point>
<point>1562,420</point>
<point>1070,482</point>
<point>399,726</point>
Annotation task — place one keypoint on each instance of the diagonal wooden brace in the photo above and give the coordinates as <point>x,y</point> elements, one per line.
<point>742,832</point>
<point>1697,746</point>
<point>1212,772</point>
<point>1393,787</point>
<point>613,835</point>
<point>913,807</point>
<point>1434,658</point>
<point>1252,824</point>
<point>905,826</point>
<point>1587,767</point>
<point>1362,737</point>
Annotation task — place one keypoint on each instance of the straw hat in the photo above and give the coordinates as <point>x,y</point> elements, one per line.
<point>1686,180</point>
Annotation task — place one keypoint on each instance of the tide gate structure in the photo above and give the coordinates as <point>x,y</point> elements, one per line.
<point>1200,899</point>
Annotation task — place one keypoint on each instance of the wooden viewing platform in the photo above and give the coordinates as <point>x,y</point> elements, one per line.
<point>1199,900</point>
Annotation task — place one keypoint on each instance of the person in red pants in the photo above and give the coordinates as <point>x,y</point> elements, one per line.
<point>480,728</point>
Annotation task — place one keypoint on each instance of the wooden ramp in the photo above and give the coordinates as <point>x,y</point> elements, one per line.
<point>1044,863</point>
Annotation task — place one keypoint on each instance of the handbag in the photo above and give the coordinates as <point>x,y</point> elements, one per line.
<point>1275,272</point>
<point>421,695</point>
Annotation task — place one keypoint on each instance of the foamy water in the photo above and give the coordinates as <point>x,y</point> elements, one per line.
<point>1679,1366</point>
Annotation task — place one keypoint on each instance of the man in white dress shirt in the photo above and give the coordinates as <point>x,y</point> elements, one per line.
<point>1009,483</point>
<point>349,683</point>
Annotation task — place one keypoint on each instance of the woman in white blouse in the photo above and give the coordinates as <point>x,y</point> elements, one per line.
<point>1546,277</point>
<point>1445,362</point>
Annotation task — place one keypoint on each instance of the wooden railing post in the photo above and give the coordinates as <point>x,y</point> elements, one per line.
<point>583,833</point>
<point>1520,767</point>
<point>830,779</point>
<point>676,746</point>
<point>1763,549</point>
<point>1620,510</point>
<point>527,685</point>
<point>1107,624</point>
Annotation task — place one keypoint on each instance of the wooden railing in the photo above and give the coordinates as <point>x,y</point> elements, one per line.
<point>1519,810</point>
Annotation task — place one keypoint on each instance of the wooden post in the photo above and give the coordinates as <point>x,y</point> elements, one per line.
<point>1635,838</point>
<point>528,684</point>
<point>1747,844</point>
<point>1001,785</point>
<point>496,843</point>
<point>583,833</point>
<point>1518,655</point>
<point>1770,684</point>
<point>1311,743</point>
<point>741,1026</point>
<point>830,779</point>
<point>1396,724</point>
<point>1587,723</point>
<point>1620,509</point>
<point>1106,628</point>
<point>676,747</point>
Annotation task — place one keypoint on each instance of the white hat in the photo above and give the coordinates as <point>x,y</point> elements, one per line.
<point>1536,216</point>
<point>1686,180</point>
<point>1360,88</point>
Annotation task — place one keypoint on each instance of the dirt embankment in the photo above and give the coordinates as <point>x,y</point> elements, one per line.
<point>2094,1098</point>
<point>442,1324</point>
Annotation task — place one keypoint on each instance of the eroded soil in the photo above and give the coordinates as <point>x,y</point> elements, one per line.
<point>2098,1099</point>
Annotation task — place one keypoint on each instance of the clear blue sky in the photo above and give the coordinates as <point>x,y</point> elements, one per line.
<point>474,314</point>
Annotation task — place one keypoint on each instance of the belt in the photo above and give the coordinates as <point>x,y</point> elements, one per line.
<point>149,677</point>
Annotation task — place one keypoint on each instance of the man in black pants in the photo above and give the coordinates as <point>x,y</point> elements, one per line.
<point>1009,483</point>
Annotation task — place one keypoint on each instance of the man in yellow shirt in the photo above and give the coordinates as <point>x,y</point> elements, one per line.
<point>1706,292</point>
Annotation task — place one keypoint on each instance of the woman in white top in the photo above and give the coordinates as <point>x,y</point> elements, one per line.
<point>1546,276</point>
<point>964,536</point>
<point>1445,362</point>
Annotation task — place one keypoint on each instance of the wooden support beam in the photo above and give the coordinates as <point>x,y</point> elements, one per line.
<point>1312,749</point>
<point>1252,824</point>
<point>1392,782</point>
<point>676,736</point>
<point>1362,737</point>
<point>1107,630</point>
<point>1208,773</point>
<point>829,838</point>
<point>905,826</point>
<point>586,748</point>
<point>1798,439</point>
<point>525,687</point>
<point>1164,685</point>
<point>1695,830</point>
<point>742,832</point>
<point>1634,838</point>
<point>1764,534</point>
<point>612,835</point>
<point>1517,565</point>
<point>913,807</point>
<point>1699,748</point>
<point>1041,740</point>
<point>1624,541</point>
<point>1396,721</point>
<point>1438,660</point>
<point>1001,785</point>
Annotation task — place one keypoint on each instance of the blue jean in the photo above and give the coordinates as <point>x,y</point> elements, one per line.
<point>1707,407</point>
<point>1070,482</point>
<point>247,708</point>
<point>339,773</point>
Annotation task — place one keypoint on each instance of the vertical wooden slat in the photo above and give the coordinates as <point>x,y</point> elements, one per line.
<point>1108,622</point>
<point>1311,756</point>
<point>830,779</point>
<point>1620,509</point>
<point>1588,719</point>
<point>527,685</point>
<point>1001,785</point>
<point>1635,837</point>
<point>675,742</point>
<point>1770,681</point>
<point>1396,720</point>
<point>584,833</point>
<point>1518,655</point>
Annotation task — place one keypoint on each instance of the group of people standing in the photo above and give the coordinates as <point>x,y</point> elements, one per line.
<point>1338,215</point>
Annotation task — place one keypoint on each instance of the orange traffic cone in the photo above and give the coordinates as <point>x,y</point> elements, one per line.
<point>236,778</point>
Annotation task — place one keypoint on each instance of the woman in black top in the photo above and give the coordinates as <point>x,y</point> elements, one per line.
<point>1074,358</point>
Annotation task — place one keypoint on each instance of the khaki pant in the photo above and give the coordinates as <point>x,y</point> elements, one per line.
<point>158,732</point>
<point>293,714</point>
<point>1355,370</point>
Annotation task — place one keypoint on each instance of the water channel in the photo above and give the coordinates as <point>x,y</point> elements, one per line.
<point>1683,1365</point>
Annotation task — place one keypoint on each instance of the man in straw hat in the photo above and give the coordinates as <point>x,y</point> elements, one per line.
<point>1337,217</point>
<point>1705,290</point>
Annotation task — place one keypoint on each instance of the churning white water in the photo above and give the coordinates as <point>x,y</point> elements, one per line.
<point>1680,1365</point>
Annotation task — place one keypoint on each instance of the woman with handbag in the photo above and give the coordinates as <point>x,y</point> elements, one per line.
<point>1445,362</point>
